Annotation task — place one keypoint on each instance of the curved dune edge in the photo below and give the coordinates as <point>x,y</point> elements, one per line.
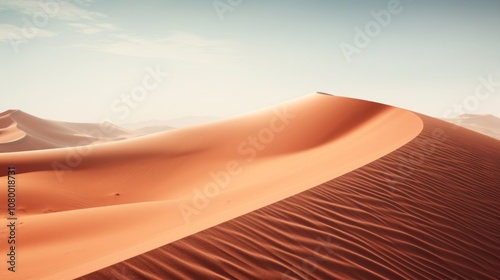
<point>11,134</point>
<point>8,129</point>
<point>125,198</point>
<point>428,210</point>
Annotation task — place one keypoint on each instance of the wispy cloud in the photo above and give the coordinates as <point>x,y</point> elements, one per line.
<point>77,18</point>
<point>75,14</point>
<point>181,46</point>
<point>83,2</point>
<point>61,10</point>
<point>12,32</point>
<point>92,29</point>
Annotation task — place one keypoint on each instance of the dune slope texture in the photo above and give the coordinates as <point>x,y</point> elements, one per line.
<point>429,210</point>
<point>81,210</point>
<point>331,187</point>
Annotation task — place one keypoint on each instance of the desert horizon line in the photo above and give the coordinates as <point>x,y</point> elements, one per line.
<point>219,117</point>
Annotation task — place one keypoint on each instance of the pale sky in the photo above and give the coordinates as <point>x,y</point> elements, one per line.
<point>87,60</point>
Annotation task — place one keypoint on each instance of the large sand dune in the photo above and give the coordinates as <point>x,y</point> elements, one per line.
<point>331,187</point>
<point>429,210</point>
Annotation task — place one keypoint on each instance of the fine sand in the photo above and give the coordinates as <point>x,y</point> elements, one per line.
<point>331,187</point>
<point>428,210</point>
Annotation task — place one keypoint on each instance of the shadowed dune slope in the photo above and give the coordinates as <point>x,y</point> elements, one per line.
<point>429,210</point>
<point>122,199</point>
<point>20,131</point>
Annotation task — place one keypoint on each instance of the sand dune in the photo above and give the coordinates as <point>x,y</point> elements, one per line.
<point>428,210</point>
<point>124,198</point>
<point>20,131</point>
<point>321,187</point>
<point>8,129</point>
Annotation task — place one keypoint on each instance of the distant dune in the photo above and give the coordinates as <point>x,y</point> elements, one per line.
<point>485,124</point>
<point>20,131</point>
<point>152,129</point>
<point>321,187</point>
<point>154,126</point>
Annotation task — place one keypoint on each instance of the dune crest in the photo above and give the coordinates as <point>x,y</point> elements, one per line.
<point>8,129</point>
<point>160,188</point>
<point>428,210</point>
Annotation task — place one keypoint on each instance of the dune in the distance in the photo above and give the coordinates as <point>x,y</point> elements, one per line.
<point>8,129</point>
<point>20,131</point>
<point>485,124</point>
<point>125,198</point>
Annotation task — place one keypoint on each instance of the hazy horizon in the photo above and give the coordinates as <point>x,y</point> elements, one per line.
<point>185,120</point>
<point>83,60</point>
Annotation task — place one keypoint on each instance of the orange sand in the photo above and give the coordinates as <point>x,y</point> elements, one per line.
<point>117,200</point>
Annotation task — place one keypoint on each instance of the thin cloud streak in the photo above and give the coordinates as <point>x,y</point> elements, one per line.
<point>178,46</point>
<point>11,32</point>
